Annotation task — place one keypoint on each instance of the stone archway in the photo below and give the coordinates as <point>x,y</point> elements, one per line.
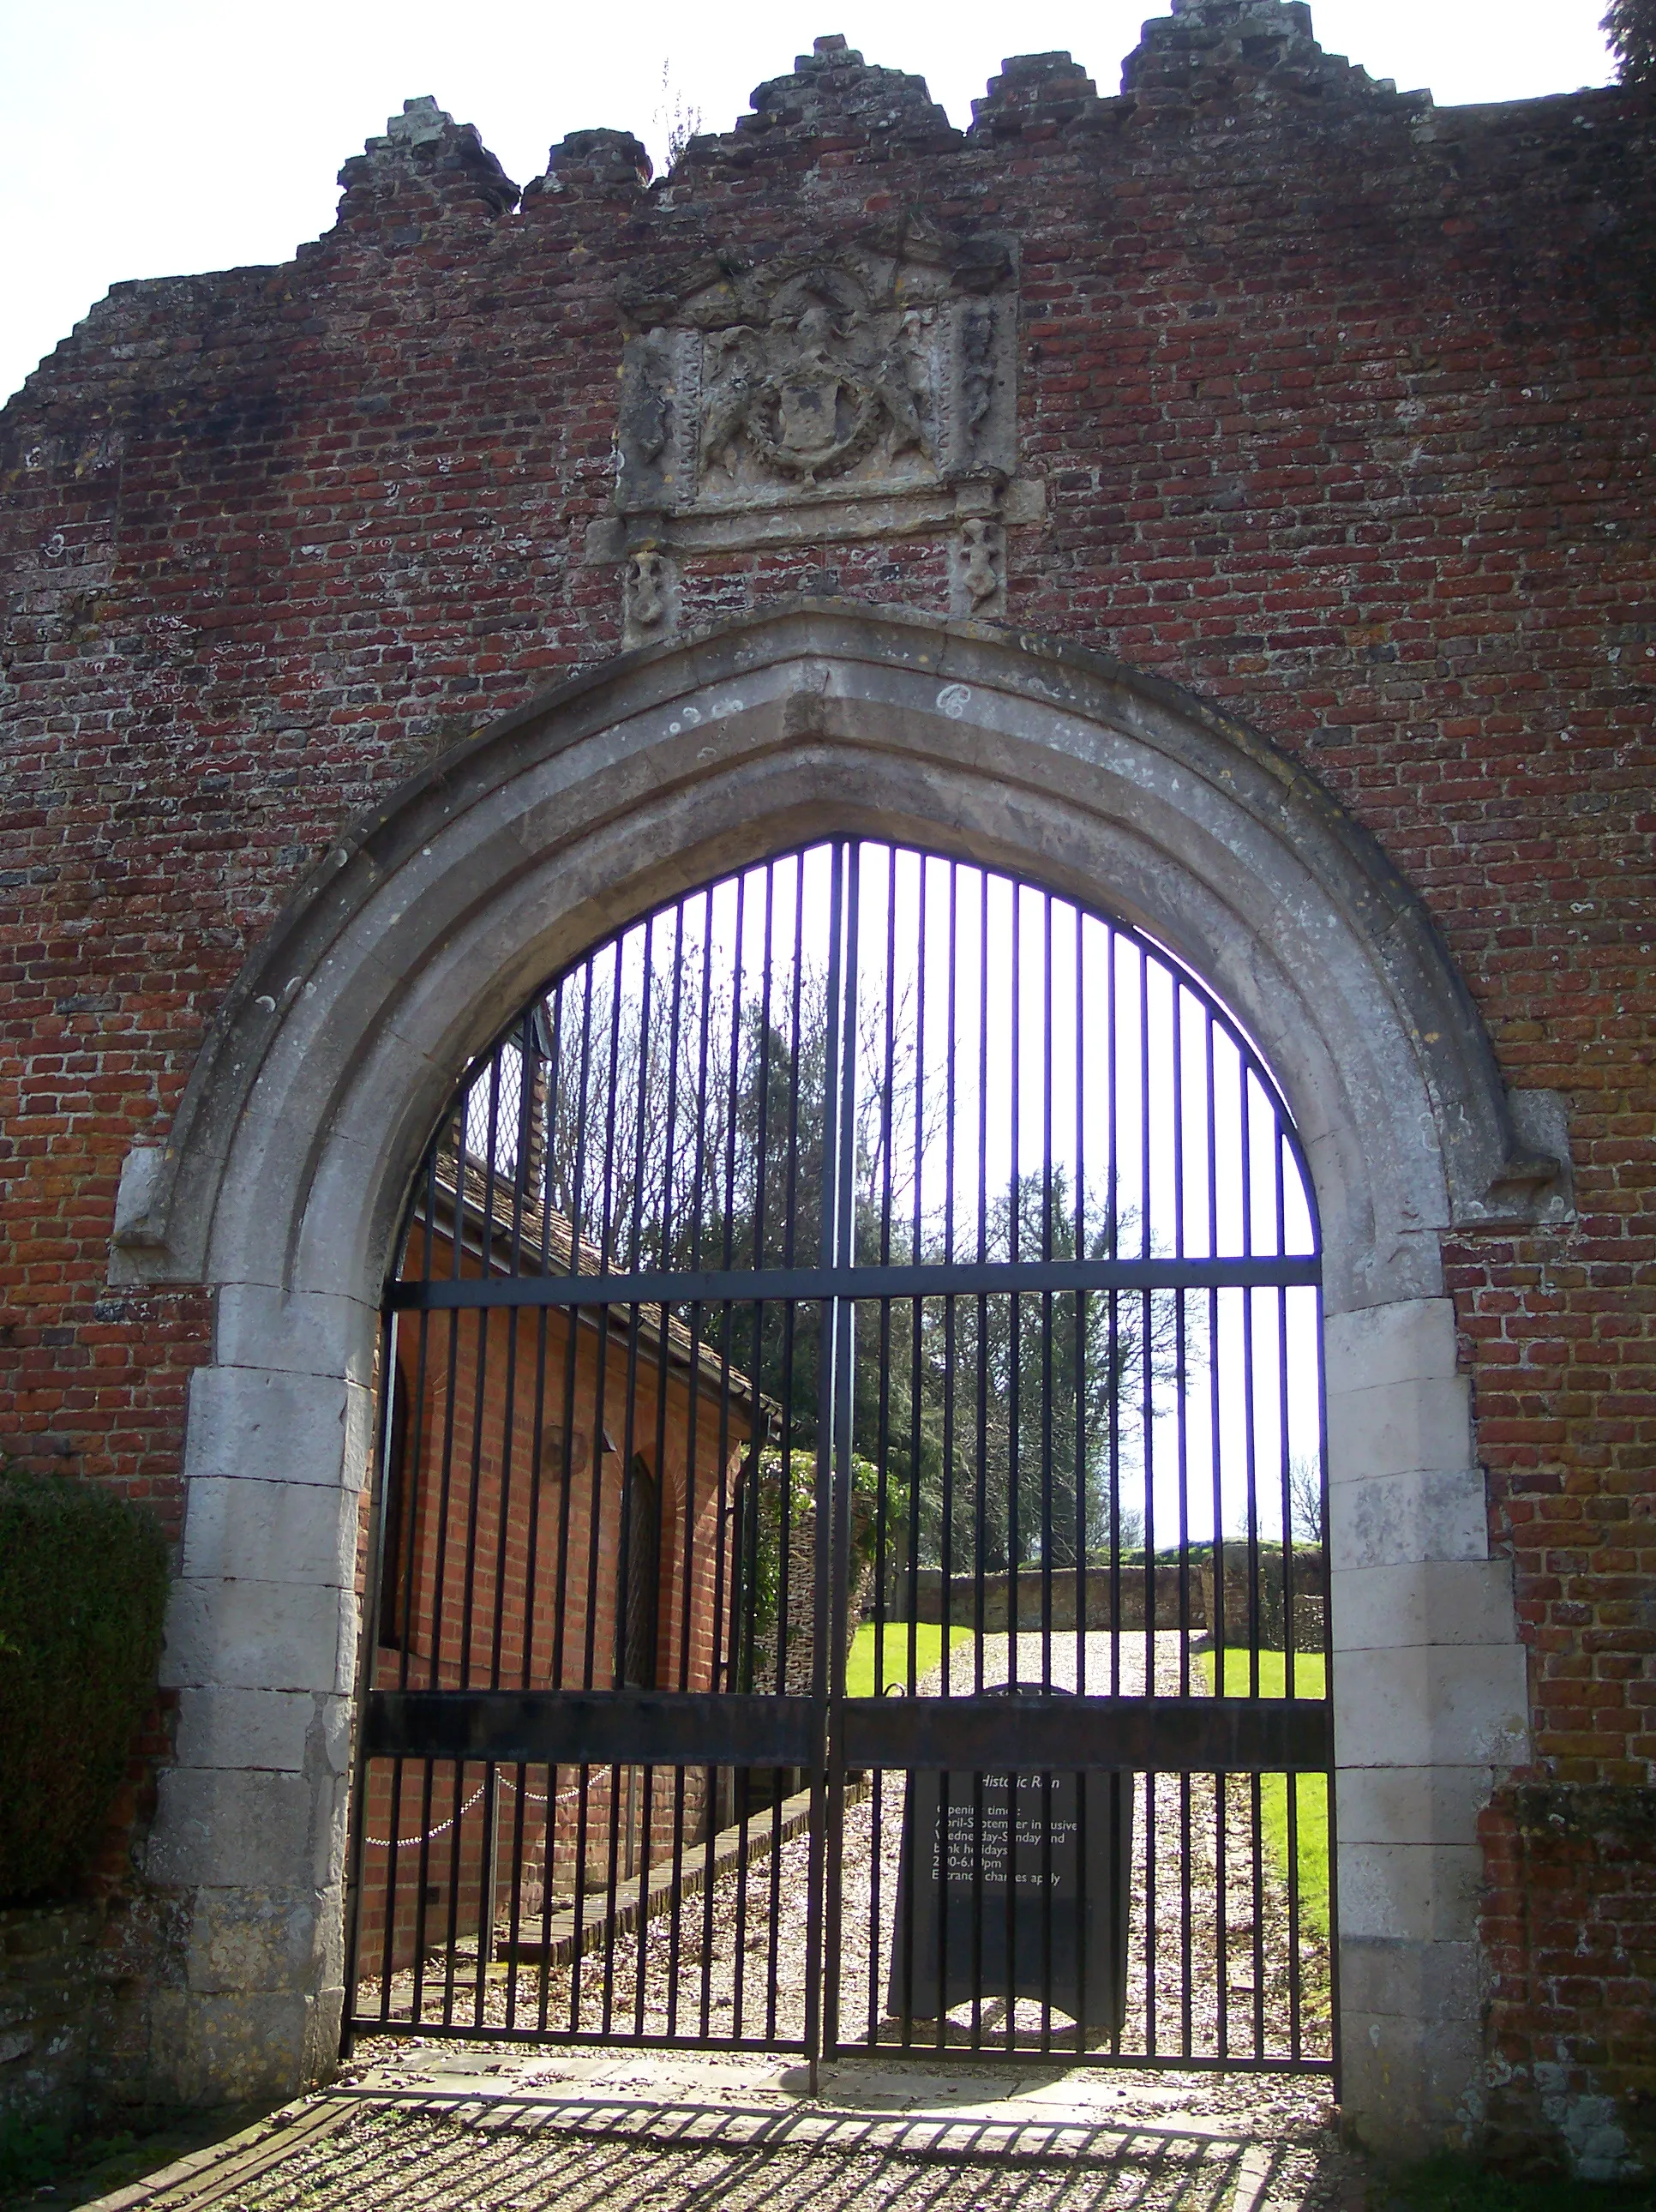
<point>283,1182</point>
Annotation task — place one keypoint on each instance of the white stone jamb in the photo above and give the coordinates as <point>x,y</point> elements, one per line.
<point>261,1648</point>
<point>1430,1706</point>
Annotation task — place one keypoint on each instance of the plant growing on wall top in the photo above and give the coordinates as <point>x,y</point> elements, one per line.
<point>82,1590</point>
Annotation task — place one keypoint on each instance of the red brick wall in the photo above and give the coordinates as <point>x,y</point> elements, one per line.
<point>1343,408</point>
<point>1571,1931</point>
<point>476,1469</point>
<point>469,1467</point>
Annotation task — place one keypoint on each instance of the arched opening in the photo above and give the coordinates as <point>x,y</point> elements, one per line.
<point>284,1185</point>
<point>871,1274</point>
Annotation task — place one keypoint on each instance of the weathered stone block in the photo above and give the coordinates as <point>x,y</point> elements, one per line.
<point>245,1728</point>
<point>1412,1804</point>
<point>256,1636</point>
<point>1427,1602</point>
<point>1438,1980</point>
<point>1409,1893</point>
<point>1399,1428</point>
<point>241,2047</point>
<point>250,1940</point>
<point>262,1329</point>
<point>266,1424</point>
<point>1404,1520</point>
<point>241,1528</point>
<point>223,1830</point>
<point>1409,1340</point>
<point>1410,2082</point>
<point>1429,1706</point>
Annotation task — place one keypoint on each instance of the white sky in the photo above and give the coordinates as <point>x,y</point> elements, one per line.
<point>157,137</point>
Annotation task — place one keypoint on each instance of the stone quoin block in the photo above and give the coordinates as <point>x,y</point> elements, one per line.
<point>1434,1602</point>
<point>1403,1521</point>
<point>256,1635</point>
<point>249,1729</point>
<point>245,1529</point>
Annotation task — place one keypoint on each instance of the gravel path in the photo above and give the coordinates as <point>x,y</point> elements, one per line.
<point>519,2128</point>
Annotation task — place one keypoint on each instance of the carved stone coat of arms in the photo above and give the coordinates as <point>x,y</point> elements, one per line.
<point>854,392</point>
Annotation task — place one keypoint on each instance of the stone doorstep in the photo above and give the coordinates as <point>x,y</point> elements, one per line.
<point>969,2132</point>
<point>746,2098</point>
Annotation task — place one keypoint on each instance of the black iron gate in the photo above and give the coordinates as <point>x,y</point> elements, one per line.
<point>848,1564</point>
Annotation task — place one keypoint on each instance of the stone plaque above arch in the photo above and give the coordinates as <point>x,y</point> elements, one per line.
<point>867,390</point>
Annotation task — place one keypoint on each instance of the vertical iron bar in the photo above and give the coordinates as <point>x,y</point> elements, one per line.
<point>1337,2049</point>
<point>833,1506</point>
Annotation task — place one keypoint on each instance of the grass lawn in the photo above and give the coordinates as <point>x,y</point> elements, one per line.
<point>1312,1807</point>
<point>894,1654</point>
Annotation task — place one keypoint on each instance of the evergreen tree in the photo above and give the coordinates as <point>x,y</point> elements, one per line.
<point>1631,26</point>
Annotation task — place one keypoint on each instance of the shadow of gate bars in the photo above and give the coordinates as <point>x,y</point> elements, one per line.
<point>847,1568</point>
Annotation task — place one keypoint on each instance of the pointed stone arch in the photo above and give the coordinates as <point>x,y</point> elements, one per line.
<point>284,1179</point>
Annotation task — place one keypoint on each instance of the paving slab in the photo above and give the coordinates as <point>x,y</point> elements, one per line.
<point>424,2127</point>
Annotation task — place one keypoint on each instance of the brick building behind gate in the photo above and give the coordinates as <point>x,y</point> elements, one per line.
<point>558,1484</point>
<point>1328,405</point>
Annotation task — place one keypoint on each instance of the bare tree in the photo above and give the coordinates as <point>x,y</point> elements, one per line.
<point>688,1115</point>
<point>1305,1497</point>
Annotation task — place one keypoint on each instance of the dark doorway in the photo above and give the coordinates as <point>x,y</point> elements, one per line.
<point>641,1606</point>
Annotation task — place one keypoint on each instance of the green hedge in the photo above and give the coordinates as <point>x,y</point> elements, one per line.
<point>82,1588</point>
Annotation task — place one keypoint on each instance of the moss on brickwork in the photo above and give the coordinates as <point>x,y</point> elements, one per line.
<point>1570,1935</point>
<point>1459,2184</point>
<point>1556,1809</point>
<point>83,1587</point>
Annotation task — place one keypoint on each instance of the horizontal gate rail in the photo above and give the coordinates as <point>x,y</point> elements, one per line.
<point>712,1286</point>
<point>1143,1736</point>
<point>575,1728</point>
<point>1160,1735</point>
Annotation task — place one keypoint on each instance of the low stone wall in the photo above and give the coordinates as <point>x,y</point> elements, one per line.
<point>1183,1599</point>
<point>77,1985</point>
